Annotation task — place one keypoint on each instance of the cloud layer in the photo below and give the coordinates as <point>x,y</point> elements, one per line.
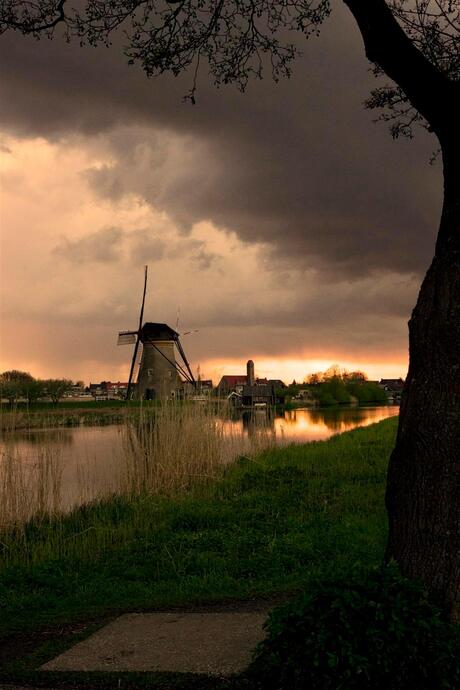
<point>283,217</point>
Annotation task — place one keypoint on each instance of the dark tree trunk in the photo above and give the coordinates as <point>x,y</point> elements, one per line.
<point>423,489</point>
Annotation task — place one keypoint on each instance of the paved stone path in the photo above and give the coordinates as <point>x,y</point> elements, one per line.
<point>213,643</point>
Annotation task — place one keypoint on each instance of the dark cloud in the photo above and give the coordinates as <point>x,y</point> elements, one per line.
<point>369,305</point>
<point>299,165</point>
<point>343,216</point>
<point>115,244</point>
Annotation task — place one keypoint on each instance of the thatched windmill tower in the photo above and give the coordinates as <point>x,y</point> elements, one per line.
<point>161,376</point>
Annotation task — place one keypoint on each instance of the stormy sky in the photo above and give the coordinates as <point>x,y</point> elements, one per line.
<point>284,223</point>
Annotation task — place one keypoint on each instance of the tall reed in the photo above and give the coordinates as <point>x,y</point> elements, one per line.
<point>29,488</point>
<point>164,449</point>
<point>173,446</point>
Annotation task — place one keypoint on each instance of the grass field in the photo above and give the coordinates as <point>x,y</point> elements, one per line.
<point>65,413</point>
<point>270,525</point>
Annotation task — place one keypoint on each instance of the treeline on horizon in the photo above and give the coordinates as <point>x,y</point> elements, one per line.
<point>20,385</point>
<point>337,386</point>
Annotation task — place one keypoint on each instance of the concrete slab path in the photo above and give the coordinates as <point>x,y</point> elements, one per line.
<point>214,643</point>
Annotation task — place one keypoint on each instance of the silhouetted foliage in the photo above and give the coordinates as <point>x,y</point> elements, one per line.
<point>55,388</point>
<point>238,39</point>
<point>379,632</point>
<point>16,385</point>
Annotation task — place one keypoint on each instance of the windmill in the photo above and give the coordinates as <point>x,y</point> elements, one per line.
<point>160,374</point>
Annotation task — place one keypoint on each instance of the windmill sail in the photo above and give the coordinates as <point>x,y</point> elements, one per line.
<point>136,346</point>
<point>126,337</point>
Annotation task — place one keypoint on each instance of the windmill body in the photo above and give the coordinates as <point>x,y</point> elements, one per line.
<point>158,377</point>
<point>161,376</point>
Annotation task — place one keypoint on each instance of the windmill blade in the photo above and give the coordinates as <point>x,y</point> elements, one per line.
<point>131,371</point>
<point>185,360</point>
<point>136,346</point>
<point>195,330</point>
<point>177,319</point>
<point>176,365</point>
<point>126,337</point>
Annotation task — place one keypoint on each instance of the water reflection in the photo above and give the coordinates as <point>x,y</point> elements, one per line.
<point>84,463</point>
<point>257,422</point>
<point>94,444</point>
<point>37,437</point>
<point>304,425</point>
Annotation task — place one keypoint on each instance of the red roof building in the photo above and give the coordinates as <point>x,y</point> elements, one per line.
<point>230,383</point>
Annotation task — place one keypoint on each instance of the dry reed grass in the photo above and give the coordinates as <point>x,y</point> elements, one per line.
<point>29,487</point>
<point>165,449</point>
<point>173,447</point>
<point>23,417</point>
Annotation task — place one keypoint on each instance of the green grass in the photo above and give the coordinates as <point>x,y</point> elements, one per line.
<point>269,526</point>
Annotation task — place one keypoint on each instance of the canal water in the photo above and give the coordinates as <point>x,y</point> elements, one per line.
<point>86,462</point>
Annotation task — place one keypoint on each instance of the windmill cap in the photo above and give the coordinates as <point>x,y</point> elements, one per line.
<point>157,331</point>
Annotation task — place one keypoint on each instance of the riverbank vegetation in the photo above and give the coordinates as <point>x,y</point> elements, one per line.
<point>381,632</point>
<point>335,386</point>
<point>269,524</point>
<point>161,448</point>
<point>29,403</point>
<point>20,385</point>
<point>44,416</point>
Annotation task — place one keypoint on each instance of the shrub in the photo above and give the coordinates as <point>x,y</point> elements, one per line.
<point>333,391</point>
<point>381,633</point>
<point>367,392</point>
<point>326,399</point>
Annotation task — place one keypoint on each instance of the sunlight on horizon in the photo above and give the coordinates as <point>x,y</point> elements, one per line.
<point>298,369</point>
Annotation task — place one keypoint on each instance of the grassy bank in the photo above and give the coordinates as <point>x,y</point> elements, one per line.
<point>66,413</point>
<point>159,450</point>
<point>270,525</point>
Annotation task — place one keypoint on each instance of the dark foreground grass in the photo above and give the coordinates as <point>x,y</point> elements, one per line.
<point>269,526</point>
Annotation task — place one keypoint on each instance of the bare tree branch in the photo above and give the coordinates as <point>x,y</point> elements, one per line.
<point>30,17</point>
<point>414,42</point>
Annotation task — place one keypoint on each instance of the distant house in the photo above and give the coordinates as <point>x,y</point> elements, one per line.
<point>200,390</point>
<point>235,399</point>
<point>248,391</point>
<point>392,385</point>
<point>204,384</point>
<point>258,394</point>
<point>116,388</point>
<point>77,391</point>
<point>305,395</point>
<point>277,383</point>
<point>108,389</point>
<point>393,388</point>
<point>96,390</point>
<point>231,384</point>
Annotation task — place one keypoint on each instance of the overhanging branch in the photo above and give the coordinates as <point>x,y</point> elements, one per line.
<point>387,45</point>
